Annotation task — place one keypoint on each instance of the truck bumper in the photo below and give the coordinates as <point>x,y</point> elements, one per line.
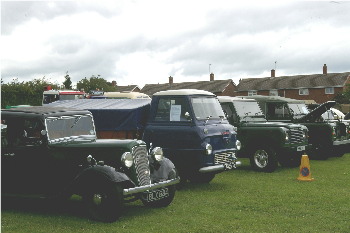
<point>219,168</point>
<point>144,188</point>
<point>343,142</point>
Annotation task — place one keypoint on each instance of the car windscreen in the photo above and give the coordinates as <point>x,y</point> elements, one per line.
<point>247,109</point>
<point>298,110</point>
<point>207,108</point>
<point>68,126</point>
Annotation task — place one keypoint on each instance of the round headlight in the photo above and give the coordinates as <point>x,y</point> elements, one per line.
<point>208,149</point>
<point>157,154</point>
<point>127,159</point>
<point>238,144</point>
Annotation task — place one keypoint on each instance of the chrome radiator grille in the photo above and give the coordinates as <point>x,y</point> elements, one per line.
<point>142,165</point>
<point>224,158</point>
<point>296,135</point>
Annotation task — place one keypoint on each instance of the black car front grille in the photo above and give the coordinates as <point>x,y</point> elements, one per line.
<point>142,165</point>
<point>297,136</point>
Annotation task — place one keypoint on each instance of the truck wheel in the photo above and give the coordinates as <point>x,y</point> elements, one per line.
<point>264,159</point>
<point>167,200</point>
<point>104,202</point>
<point>201,177</point>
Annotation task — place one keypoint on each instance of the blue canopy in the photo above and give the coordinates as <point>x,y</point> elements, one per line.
<point>112,114</point>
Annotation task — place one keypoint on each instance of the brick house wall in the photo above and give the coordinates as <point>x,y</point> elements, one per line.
<point>316,94</point>
<point>229,90</point>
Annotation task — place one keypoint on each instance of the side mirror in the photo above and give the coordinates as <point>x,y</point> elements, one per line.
<point>188,116</point>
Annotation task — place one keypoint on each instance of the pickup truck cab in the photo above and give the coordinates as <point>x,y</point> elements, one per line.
<point>265,143</point>
<point>53,153</point>
<point>194,133</point>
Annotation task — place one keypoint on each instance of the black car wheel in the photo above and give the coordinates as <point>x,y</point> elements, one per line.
<point>165,201</point>
<point>264,159</point>
<point>104,202</point>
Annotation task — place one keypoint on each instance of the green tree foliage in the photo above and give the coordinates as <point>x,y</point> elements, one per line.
<point>343,97</point>
<point>95,83</point>
<point>67,82</point>
<point>23,93</point>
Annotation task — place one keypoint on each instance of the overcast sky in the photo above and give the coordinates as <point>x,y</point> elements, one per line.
<point>145,42</point>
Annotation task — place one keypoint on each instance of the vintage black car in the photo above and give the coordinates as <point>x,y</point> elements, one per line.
<point>53,152</point>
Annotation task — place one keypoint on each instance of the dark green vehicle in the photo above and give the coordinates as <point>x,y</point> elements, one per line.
<point>53,153</point>
<point>265,143</point>
<point>326,138</point>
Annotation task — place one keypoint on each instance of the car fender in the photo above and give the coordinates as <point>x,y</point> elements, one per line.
<point>162,170</point>
<point>99,174</point>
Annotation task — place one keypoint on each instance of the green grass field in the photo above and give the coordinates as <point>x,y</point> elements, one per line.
<point>236,201</point>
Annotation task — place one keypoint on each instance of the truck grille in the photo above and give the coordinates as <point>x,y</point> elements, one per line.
<point>224,158</point>
<point>142,165</point>
<point>296,136</point>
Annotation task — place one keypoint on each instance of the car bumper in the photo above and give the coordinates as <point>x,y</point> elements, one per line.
<point>144,188</point>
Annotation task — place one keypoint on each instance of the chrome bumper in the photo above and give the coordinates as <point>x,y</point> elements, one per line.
<point>219,168</point>
<point>144,188</point>
<point>337,143</point>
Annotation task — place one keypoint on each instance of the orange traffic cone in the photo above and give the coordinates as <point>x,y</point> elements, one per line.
<point>305,173</point>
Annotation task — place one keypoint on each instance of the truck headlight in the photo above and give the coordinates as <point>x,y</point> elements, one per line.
<point>127,159</point>
<point>286,133</point>
<point>157,154</point>
<point>208,149</point>
<point>238,144</point>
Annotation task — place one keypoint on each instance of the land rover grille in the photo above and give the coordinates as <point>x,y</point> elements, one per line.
<point>141,164</point>
<point>296,136</point>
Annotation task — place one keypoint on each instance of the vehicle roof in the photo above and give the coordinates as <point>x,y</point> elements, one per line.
<point>224,99</point>
<point>184,92</point>
<point>273,99</point>
<point>43,111</point>
<point>130,95</point>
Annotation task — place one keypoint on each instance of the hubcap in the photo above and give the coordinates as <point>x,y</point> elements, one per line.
<point>261,158</point>
<point>97,199</point>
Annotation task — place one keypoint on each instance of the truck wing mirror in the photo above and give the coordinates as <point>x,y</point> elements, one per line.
<point>188,116</point>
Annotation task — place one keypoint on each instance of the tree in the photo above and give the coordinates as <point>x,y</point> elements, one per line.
<point>95,83</point>
<point>343,97</point>
<point>67,82</point>
<point>23,93</point>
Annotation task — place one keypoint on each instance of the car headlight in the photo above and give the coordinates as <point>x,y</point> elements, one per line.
<point>238,144</point>
<point>208,149</point>
<point>286,133</point>
<point>127,159</point>
<point>157,154</point>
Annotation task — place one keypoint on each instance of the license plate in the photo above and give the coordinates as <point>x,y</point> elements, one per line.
<point>156,194</point>
<point>300,148</point>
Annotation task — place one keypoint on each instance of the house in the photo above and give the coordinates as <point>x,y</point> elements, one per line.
<point>129,88</point>
<point>218,87</point>
<point>318,87</point>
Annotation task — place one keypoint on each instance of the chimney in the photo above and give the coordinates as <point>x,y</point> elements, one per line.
<point>273,73</point>
<point>114,83</point>
<point>324,69</point>
<point>171,80</point>
<point>211,77</point>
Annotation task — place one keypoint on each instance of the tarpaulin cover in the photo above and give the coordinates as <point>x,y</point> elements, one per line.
<point>112,114</point>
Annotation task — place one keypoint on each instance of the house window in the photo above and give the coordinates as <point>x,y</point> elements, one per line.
<point>250,93</point>
<point>329,90</point>
<point>303,91</point>
<point>273,93</point>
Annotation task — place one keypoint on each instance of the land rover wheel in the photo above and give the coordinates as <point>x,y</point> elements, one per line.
<point>104,202</point>
<point>264,159</point>
<point>201,177</point>
<point>160,197</point>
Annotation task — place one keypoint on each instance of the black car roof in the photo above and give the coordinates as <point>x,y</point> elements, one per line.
<point>43,111</point>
